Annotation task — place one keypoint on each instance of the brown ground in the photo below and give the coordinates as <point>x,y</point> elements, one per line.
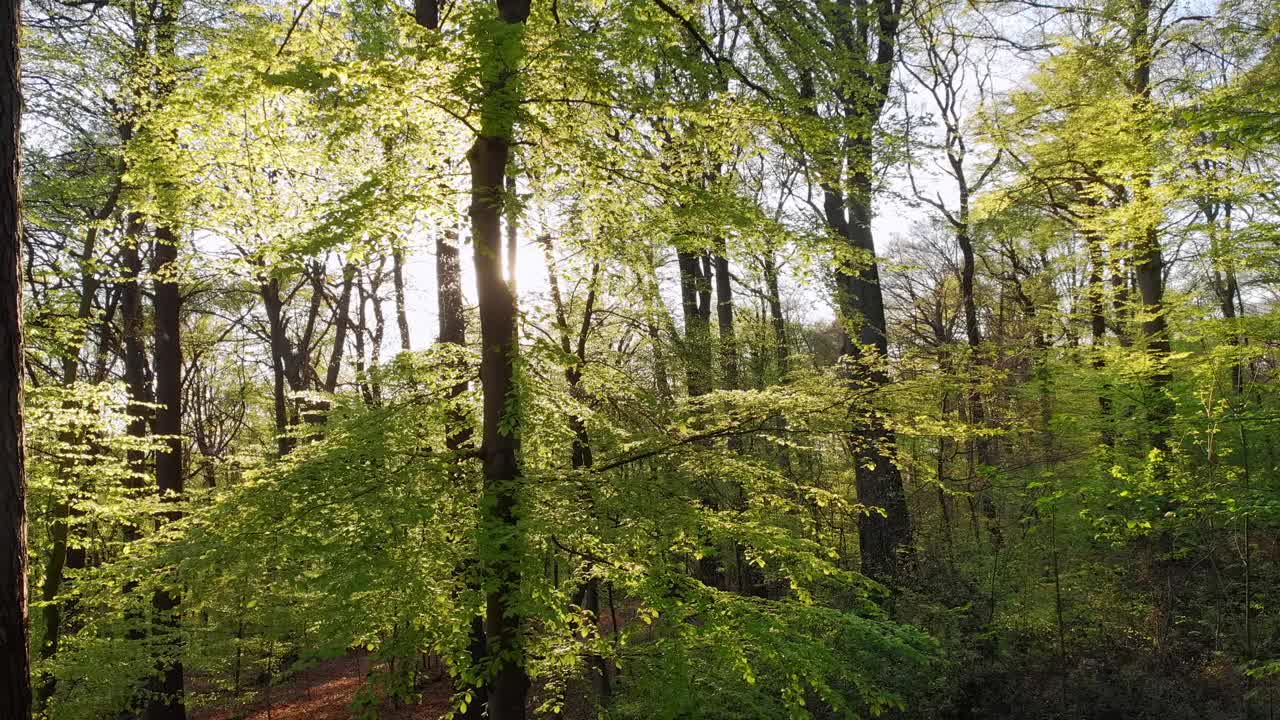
<point>324,692</point>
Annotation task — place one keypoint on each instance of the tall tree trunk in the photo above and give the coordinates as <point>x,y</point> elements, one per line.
<point>402,313</point>
<point>500,542</point>
<point>167,701</point>
<point>1225,283</point>
<point>879,481</point>
<point>170,704</point>
<point>378,334</point>
<point>15,658</point>
<point>136,368</point>
<point>453,329</point>
<point>1149,271</point>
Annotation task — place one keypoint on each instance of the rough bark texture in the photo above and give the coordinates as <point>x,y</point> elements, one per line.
<point>15,664</point>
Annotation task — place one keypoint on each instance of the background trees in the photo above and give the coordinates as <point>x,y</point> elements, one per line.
<point>981,426</point>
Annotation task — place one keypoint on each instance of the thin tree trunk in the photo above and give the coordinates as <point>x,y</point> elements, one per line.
<point>15,659</point>
<point>402,313</point>
<point>781,349</point>
<point>379,333</point>
<point>62,555</point>
<point>341,320</point>
<point>1098,331</point>
<point>360,331</point>
<point>285,372</point>
<point>582,459</point>
<point>724,319</point>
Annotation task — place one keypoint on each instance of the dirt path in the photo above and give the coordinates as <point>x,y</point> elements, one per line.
<point>324,692</point>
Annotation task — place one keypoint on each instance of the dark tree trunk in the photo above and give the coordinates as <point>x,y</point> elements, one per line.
<point>170,703</point>
<point>847,197</point>
<point>15,658</point>
<point>286,367</point>
<point>340,322</point>
<point>167,701</point>
<point>501,546</point>
<point>1095,294</point>
<point>1149,272</point>
<point>378,334</point>
<point>882,537</point>
<point>782,351</point>
<point>500,549</point>
<point>724,318</point>
<point>136,369</point>
<point>453,329</point>
<point>402,313</point>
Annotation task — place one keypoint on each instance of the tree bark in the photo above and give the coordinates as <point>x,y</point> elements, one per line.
<point>729,379</point>
<point>1098,330</point>
<point>402,313</point>
<point>453,329</point>
<point>340,322</point>
<point>170,704</point>
<point>781,349</point>
<point>167,700</point>
<point>15,658</point>
<point>286,366</point>
<point>501,546</point>
<point>1149,272</point>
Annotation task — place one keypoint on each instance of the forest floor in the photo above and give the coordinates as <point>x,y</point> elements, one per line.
<point>324,692</point>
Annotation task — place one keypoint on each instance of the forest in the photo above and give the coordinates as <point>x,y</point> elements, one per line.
<point>632,359</point>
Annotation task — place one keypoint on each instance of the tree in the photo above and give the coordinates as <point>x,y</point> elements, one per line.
<point>14,633</point>
<point>501,51</point>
